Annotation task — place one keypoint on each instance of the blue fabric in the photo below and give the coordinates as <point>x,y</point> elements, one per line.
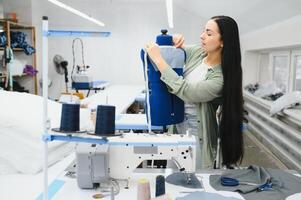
<point>165,108</point>
<point>164,39</point>
<point>18,40</point>
<point>2,39</point>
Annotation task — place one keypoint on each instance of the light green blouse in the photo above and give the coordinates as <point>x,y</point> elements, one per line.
<point>205,93</point>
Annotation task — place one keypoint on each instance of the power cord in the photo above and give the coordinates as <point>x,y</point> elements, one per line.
<point>73,55</point>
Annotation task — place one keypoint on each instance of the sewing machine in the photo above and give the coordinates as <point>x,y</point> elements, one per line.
<point>121,156</point>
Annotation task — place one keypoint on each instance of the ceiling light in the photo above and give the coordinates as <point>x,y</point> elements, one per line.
<point>169,13</point>
<point>77,12</point>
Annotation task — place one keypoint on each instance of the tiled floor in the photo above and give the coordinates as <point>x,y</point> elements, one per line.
<point>257,154</point>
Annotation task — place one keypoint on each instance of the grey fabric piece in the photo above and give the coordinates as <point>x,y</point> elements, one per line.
<point>284,184</point>
<point>174,57</point>
<point>180,179</point>
<point>205,196</point>
<point>286,101</point>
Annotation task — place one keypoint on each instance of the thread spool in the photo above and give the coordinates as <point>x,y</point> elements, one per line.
<point>160,185</point>
<point>143,189</point>
<point>70,117</point>
<point>105,120</point>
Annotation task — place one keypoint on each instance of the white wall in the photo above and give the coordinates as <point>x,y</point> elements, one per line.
<point>1,9</point>
<point>22,8</point>
<point>116,58</point>
<point>285,34</point>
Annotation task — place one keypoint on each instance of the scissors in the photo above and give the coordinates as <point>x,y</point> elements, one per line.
<point>227,181</point>
<point>266,186</point>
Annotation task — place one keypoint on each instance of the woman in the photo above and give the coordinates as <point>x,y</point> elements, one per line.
<point>221,84</point>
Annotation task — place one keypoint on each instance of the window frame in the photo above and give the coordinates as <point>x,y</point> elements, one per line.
<point>288,66</point>
<point>293,66</point>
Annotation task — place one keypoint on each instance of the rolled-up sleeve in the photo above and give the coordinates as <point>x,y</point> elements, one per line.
<point>193,51</point>
<point>201,91</point>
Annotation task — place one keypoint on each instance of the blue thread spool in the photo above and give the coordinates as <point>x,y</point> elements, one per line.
<point>105,120</point>
<point>70,118</point>
<point>160,185</point>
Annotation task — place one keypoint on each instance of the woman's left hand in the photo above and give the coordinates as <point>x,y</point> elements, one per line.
<point>153,52</point>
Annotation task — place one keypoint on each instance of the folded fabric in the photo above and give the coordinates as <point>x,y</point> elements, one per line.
<point>2,39</point>
<point>286,101</point>
<point>273,97</point>
<point>252,87</point>
<point>283,184</point>
<point>267,89</point>
<point>28,69</point>
<point>205,196</point>
<point>18,40</point>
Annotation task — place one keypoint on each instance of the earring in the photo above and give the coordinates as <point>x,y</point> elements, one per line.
<point>222,46</point>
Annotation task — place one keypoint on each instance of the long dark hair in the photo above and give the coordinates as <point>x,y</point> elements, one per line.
<point>232,103</point>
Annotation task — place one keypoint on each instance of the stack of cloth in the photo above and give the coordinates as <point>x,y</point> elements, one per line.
<point>30,70</point>
<point>252,87</point>
<point>283,184</point>
<point>18,40</point>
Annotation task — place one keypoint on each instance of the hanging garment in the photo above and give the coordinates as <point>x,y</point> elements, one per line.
<point>165,108</point>
<point>9,56</point>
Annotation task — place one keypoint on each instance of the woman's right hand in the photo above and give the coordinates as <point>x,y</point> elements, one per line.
<point>178,40</point>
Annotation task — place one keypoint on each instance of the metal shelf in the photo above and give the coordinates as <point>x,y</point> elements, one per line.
<point>70,138</point>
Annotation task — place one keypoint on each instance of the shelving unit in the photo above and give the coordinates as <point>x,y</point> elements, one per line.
<point>48,137</point>
<point>8,26</point>
<point>280,133</point>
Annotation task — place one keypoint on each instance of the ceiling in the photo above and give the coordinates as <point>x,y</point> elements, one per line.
<point>249,14</point>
